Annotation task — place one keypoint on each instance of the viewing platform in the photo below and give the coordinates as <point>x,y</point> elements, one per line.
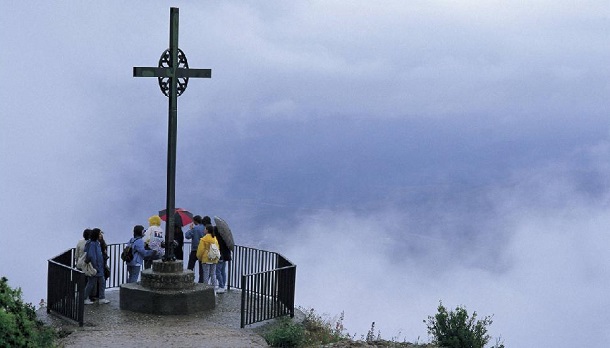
<point>109,326</point>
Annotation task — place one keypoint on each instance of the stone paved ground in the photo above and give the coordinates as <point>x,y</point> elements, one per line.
<point>109,326</point>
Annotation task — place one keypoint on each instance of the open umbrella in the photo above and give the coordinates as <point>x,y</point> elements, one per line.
<point>225,232</point>
<point>185,216</point>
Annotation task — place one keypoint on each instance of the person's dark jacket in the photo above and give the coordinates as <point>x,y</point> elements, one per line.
<point>225,253</point>
<point>179,238</point>
<point>94,255</point>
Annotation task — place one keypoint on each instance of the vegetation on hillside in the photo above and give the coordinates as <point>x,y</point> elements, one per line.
<point>18,324</point>
<point>452,329</point>
<point>316,330</point>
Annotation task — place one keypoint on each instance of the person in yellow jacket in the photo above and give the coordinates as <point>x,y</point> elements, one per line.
<point>203,255</point>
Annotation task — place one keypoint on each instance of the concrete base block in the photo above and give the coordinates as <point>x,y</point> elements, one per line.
<point>136,298</point>
<point>182,280</point>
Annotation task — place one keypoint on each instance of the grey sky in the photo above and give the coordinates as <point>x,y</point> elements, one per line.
<point>468,141</point>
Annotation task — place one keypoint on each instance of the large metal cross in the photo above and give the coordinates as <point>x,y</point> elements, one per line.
<point>173,73</point>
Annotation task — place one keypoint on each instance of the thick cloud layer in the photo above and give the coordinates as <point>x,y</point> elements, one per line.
<point>437,151</point>
<point>537,264</point>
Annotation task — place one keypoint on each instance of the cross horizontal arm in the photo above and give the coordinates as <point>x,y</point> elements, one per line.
<point>151,72</point>
<point>167,72</point>
<point>206,73</point>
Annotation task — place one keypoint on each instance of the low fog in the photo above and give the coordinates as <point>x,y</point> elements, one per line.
<point>538,266</point>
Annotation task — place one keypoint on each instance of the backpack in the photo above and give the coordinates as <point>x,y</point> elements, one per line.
<point>85,265</point>
<point>82,260</point>
<point>127,254</point>
<point>214,252</point>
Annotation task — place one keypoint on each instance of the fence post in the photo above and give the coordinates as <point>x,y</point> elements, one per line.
<point>81,298</point>
<point>229,265</point>
<point>244,289</point>
<point>49,296</point>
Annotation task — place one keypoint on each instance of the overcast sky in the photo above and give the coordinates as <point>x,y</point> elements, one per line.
<point>438,150</point>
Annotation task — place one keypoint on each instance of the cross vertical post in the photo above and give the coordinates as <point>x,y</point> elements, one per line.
<point>173,74</point>
<point>172,134</point>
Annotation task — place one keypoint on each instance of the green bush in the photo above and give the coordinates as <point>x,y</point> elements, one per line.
<point>455,329</point>
<point>285,333</point>
<point>18,324</point>
<point>314,331</point>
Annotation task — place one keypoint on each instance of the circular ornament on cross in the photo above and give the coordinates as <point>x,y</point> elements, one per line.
<point>181,82</point>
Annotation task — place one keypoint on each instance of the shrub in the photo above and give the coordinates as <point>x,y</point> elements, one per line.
<point>455,329</point>
<point>320,331</point>
<point>18,324</point>
<point>314,331</point>
<point>285,333</point>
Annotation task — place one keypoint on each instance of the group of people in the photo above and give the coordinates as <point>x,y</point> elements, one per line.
<point>149,245</point>
<point>95,249</point>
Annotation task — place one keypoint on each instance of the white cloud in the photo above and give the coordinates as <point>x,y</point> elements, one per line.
<point>551,289</point>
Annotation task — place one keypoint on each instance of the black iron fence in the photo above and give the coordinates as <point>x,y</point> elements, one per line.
<point>267,281</point>
<point>118,268</point>
<point>66,288</point>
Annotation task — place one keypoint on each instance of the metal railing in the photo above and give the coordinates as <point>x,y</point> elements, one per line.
<point>118,268</point>
<point>267,281</point>
<point>66,288</point>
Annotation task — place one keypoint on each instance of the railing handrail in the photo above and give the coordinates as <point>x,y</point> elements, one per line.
<point>285,258</point>
<point>249,262</point>
<point>62,265</point>
<point>271,270</point>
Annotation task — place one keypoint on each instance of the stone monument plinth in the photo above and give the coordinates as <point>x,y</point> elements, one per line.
<point>167,289</point>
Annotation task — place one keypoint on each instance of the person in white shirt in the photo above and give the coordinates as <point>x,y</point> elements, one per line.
<point>153,237</point>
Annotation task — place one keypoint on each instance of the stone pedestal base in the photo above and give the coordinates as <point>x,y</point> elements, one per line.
<point>167,276</point>
<point>167,289</point>
<point>136,298</point>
